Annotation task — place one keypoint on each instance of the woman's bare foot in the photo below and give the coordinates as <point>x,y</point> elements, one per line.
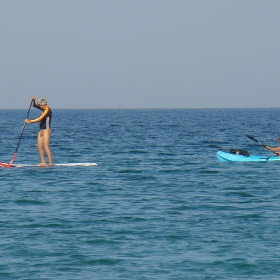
<point>41,164</point>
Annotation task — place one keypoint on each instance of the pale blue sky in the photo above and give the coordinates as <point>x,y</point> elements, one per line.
<point>140,53</point>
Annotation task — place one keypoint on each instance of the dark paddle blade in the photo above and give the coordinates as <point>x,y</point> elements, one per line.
<point>254,139</point>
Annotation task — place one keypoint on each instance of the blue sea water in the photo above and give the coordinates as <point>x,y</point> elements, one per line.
<point>158,205</point>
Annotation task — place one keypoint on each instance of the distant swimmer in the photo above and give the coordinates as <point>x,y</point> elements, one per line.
<point>43,139</point>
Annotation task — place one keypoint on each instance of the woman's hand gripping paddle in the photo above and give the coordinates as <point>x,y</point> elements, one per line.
<point>8,165</point>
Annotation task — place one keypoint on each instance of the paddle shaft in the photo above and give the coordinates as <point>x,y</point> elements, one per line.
<point>15,153</point>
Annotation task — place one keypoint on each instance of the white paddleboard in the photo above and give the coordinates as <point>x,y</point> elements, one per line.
<point>57,164</point>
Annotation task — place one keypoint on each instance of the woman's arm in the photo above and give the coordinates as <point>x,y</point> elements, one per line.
<point>274,149</point>
<point>45,112</point>
<point>43,115</point>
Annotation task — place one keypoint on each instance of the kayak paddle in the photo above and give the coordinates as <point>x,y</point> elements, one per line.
<point>256,140</point>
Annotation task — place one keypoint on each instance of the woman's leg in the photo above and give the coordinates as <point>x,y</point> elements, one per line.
<point>40,141</point>
<point>46,142</point>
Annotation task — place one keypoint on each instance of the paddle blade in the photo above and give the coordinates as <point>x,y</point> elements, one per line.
<point>256,140</point>
<point>13,158</point>
<point>7,165</point>
<point>252,138</point>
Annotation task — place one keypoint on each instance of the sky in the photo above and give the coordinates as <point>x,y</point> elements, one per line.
<point>103,54</point>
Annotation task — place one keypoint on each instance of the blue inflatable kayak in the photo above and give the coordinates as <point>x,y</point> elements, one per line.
<point>228,157</point>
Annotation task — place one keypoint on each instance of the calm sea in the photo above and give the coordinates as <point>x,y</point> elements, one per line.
<point>158,205</point>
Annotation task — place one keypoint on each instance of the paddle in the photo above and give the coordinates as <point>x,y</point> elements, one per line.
<point>15,153</point>
<point>256,140</point>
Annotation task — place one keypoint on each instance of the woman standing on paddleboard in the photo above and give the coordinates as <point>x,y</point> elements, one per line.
<point>43,139</point>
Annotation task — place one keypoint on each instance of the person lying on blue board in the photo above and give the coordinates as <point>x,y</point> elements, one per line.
<point>43,139</point>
